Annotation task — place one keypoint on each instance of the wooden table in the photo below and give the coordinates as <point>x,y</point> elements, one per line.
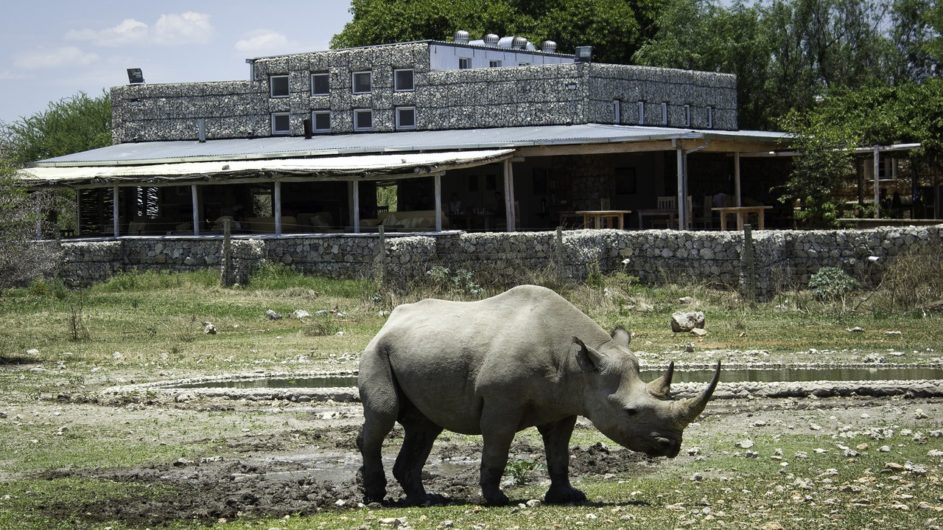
<point>670,214</point>
<point>599,216</point>
<point>742,212</point>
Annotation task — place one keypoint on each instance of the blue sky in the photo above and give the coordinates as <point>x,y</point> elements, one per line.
<point>52,49</point>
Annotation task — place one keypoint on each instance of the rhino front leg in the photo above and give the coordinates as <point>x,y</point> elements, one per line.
<point>494,458</point>
<point>556,437</point>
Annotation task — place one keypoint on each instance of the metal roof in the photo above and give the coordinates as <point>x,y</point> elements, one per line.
<point>390,142</point>
<point>389,166</point>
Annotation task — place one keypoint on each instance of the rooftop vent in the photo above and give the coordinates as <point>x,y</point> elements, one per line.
<point>519,43</point>
<point>491,39</point>
<point>461,37</point>
<point>548,46</point>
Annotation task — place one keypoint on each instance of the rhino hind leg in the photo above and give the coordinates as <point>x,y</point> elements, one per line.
<point>556,437</point>
<point>419,435</point>
<point>381,405</point>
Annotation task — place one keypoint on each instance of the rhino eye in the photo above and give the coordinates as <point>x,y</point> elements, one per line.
<point>631,411</point>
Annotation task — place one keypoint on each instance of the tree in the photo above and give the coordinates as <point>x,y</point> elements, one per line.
<point>698,35</point>
<point>827,132</point>
<point>613,27</point>
<point>21,260</point>
<point>70,125</point>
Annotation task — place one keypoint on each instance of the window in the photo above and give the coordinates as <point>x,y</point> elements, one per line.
<point>523,64</point>
<point>616,111</point>
<point>641,113</point>
<point>464,63</point>
<point>664,113</point>
<point>363,120</point>
<point>406,117</point>
<point>710,117</point>
<point>321,119</point>
<point>320,83</point>
<point>403,80</point>
<point>494,64</point>
<point>281,124</point>
<point>278,86</point>
<point>363,82</point>
<point>687,115</point>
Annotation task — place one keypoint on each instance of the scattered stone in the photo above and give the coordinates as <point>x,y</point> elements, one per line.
<point>815,427</point>
<point>3,415</point>
<point>32,352</point>
<point>920,414</point>
<point>934,453</point>
<point>183,462</point>
<point>893,333</point>
<point>684,321</point>
<point>533,503</point>
<point>885,449</point>
<point>751,454</point>
<point>699,332</point>
<point>856,329</point>
<point>340,503</point>
<point>272,315</point>
<point>916,469</point>
<point>874,358</point>
<point>745,444</point>
<point>209,328</point>
<point>893,466</point>
<point>694,451</point>
<point>395,522</point>
<point>685,300</point>
<point>117,356</point>
<point>689,347</point>
<point>446,524</point>
<point>300,314</point>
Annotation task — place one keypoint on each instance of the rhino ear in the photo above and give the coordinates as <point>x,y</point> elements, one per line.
<point>621,336</point>
<point>596,359</point>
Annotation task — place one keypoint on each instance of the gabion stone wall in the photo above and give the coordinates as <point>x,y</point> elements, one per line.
<point>782,258</point>
<point>552,94</point>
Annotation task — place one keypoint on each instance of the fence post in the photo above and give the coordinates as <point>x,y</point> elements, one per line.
<point>379,262</point>
<point>226,276</point>
<point>748,265</point>
<point>558,254</point>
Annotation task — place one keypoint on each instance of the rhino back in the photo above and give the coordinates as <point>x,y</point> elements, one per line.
<point>449,357</point>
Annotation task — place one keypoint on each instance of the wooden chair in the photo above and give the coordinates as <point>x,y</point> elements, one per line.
<point>664,202</point>
<point>705,218</point>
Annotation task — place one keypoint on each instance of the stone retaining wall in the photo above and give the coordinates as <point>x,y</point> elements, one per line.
<point>782,258</point>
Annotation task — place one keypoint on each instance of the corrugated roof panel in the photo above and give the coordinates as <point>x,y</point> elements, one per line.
<point>405,141</point>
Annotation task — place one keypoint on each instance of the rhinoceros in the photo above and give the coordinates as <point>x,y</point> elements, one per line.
<point>523,358</point>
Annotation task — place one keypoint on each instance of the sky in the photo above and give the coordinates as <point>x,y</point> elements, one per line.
<point>53,49</point>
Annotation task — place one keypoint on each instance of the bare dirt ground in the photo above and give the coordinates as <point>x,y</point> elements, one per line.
<point>310,465</point>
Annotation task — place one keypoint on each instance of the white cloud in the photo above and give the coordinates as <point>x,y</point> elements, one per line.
<point>128,31</point>
<point>262,42</point>
<point>54,58</point>
<point>185,28</point>
<point>170,29</point>
<point>9,75</point>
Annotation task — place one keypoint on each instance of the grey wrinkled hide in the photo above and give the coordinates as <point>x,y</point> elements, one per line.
<point>524,358</point>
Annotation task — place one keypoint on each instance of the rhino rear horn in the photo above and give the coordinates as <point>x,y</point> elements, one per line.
<point>690,409</point>
<point>661,387</point>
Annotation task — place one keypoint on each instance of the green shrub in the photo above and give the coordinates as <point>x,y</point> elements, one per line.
<point>831,283</point>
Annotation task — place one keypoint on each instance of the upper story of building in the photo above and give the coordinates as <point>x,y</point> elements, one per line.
<point>425,85</point>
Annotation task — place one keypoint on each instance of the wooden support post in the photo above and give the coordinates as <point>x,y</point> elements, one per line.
<point>682,189</point>
<point>78,212</point>
<point>736,179</point>
<point>355,207</point>
<point>438,203</point>
<point>195,199</point>
<point>877,183</point>
<point>509,195</point>
<point>115,220</point>
<point>748,265</point>
<point>278,208</point>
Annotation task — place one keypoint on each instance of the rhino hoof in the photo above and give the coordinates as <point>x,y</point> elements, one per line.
<point>496,498</point>
<point>567,495</point>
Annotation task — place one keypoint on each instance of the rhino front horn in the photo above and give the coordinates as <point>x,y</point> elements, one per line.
<point>690,409</point>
